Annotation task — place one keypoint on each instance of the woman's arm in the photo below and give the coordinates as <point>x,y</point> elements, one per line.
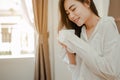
<point>71,57</point>
<point>105,66</point>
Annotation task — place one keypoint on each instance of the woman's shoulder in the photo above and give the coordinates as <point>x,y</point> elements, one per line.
<point>107,19</point>
<point>108,24</point>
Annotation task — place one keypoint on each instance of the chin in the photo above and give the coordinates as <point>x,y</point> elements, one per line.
<point>79,25</point>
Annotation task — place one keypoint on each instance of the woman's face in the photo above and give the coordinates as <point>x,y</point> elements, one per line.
<point>76,11</point>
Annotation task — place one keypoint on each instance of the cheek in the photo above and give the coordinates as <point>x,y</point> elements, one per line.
<point>85,16</point>
<point>78,12</point>
<point>69,18</point>
<point>83,19</point>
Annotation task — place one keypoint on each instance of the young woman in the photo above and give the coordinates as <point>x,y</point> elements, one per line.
<point>94,50</point>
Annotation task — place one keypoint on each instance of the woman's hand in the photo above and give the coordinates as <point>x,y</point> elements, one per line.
<point>63,36</point>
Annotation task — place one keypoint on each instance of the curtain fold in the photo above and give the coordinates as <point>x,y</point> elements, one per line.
<point>114,10</point>
<point>42,61</point>
<point>27,11</point>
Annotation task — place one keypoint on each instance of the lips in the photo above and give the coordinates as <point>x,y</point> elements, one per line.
<point>76,20</point>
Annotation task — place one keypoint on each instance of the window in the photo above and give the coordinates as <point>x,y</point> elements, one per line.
<point>16,34</point>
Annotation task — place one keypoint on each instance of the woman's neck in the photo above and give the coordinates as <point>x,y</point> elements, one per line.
<point>92,22</point>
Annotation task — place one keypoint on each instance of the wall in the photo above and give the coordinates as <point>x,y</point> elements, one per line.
<point>17,68</point>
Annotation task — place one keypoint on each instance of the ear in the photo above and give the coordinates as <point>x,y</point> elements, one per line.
<point>87,3</point>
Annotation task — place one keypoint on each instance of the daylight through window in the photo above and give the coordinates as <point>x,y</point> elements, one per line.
<point>16,34</point>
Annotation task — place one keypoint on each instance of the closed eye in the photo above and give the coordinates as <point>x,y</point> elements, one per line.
<point>73,9</point>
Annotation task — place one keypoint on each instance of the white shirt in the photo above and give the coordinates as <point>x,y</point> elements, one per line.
<point>97,58</point>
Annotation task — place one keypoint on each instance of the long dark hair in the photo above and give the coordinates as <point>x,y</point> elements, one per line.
<point>64,21</point>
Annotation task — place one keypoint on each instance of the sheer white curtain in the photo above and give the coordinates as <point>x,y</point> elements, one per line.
<point>27,13</point>
<point>102,7</point>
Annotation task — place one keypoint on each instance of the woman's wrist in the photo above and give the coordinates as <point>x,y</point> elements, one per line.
<point>72,58</point>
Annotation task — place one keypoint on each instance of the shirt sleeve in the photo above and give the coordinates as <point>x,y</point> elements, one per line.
<point>65,59</point>
<point>105,66</point>
<point>64,56</point>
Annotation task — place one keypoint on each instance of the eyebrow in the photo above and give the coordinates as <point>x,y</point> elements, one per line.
<point>71,6</point>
